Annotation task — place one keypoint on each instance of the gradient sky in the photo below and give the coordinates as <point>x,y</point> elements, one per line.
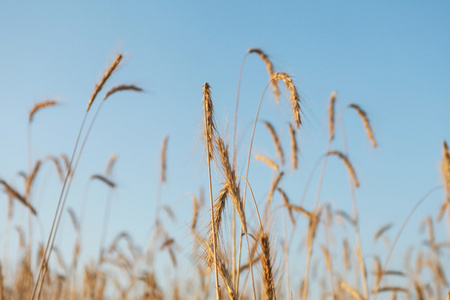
<point>390,58</point>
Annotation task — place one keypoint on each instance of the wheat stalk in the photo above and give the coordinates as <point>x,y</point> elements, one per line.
<point>366,123</point>
<point>270,70</point>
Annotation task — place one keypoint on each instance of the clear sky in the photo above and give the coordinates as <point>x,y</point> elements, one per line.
<point>390,58</point>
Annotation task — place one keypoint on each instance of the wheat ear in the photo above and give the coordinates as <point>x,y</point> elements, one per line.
<point>274,185</point>
<point>39,106</point>
<point>105,77</point>
<point>294,96</point>
<point>266,263</point>
<point>208,133</point>
<point>164,159</point>
<point>331,114</point>
<point>230,178</point>
<point>268,161</point>
<point>348,165</point>
<point>15,195</point>
<point>294,147</point>
<point>366,123</point>
<point>270,70</point>
<point>121,87</point>
<point>276,141</point>
<point>445,167</point>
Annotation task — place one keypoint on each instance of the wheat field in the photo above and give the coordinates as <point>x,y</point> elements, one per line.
<point>243,239</point>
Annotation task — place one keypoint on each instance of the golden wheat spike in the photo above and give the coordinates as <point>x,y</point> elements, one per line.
<point>209,126</point>
<point>105,180</point>
<point>293,94</point>
<point>230,177</point>
<point>347,164</point>
<point>266,263</point>
<point>105,77</point>
<point>276,141</point>
<point>381,231</point>
<point>274,185</point>
<point>164,159</point>
<point>39,106</point>
<point>366,123</point>
<point>294,147</point>
<point>268,161</point>
<point>286,203</point>
<point>331,114</point>
<point>270,70</point>
<point>15,195</point>
<point>122,87</point>
<point>445,167</point>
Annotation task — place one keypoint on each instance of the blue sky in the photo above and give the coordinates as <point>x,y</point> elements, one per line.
<point>390,58</point>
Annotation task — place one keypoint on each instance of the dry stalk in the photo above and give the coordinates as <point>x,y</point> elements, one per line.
<point>57,165</point>
<point>270,70</point>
